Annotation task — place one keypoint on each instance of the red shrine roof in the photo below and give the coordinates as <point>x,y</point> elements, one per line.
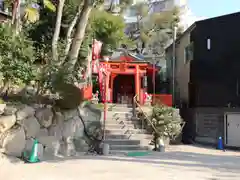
<point>119,56</point>
<point>124,56</point>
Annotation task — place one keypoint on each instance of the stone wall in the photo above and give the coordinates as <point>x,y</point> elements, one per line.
<point>208,123</point>
<point>60,132</point>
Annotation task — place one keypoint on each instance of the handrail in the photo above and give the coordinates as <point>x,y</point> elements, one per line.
<point>153,127</point>
<point>125,125</point>
<point>136,102</point>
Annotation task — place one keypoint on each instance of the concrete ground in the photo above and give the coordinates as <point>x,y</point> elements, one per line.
<point>179,163</point>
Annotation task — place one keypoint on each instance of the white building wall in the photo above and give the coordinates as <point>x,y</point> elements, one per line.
<point>187,18</point>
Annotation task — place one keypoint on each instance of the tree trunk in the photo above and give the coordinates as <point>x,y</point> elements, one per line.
<point>79,34</point>
<point>18,18</point>
<point>69,32</point>
<point>57,30</point>
<point>5,88</point>
<point>14,10</point>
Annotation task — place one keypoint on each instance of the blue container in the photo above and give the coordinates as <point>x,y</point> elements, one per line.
<point>220,143</point>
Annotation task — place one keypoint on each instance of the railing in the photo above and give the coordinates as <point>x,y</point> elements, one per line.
<point>128,131</point>
<point>135,102</point>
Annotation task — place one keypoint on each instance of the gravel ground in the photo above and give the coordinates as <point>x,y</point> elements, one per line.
<point>179,163</point>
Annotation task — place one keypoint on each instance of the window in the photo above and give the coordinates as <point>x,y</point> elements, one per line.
<point>188,53</point>
<point>156,7</point>
<point>208,44</point>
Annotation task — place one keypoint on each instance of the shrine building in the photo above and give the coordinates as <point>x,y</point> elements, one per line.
<point>127,77</point>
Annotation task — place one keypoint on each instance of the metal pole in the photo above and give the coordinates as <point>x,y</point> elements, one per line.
<point>173,63</point>
<point>154,79</point>
<point>106,80</point>
<point>105,107</point>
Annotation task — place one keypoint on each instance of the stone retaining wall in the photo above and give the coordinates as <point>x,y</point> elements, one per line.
<point>58,131</point>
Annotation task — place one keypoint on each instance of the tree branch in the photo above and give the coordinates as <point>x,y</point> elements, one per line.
<point>69,32</point>
<point>57,30</point>
<point>79,33</point>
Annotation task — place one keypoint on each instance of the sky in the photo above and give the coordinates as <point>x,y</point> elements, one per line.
<point>212,8</point>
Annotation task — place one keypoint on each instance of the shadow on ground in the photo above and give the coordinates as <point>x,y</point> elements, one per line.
<point>196,161</point>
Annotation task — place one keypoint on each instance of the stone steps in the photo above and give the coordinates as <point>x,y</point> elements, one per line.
<point>124,134</point>
<point>125,131</point>
<point>122,126</point>
<point>120,147</point>
<point>125,152</point>
<point>122,142</point>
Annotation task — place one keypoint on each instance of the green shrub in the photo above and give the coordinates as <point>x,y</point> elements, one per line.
<point>167,121</point>
<point>1,101</point>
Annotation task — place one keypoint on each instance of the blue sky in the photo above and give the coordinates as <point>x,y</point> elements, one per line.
<point>212,8</point>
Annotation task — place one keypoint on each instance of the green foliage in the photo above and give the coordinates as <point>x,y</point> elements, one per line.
<point>16,56</point>
<point>69,11</point>
<point>1,101</point>
<point>41,33</point>
<point>167,121</point>
<point>155,30</point>
<point>109,29</point>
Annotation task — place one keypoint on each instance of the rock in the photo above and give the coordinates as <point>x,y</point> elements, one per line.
<point>25,112</point>
<point>73,128</point>
<point>13,142</point>
<point>80,145</point>
<point>9,110</point>
<point>5,159</point>
<point>30,91</point>
<point>38,106</point>
<point>56,149</point>
<point>47,141</point>
<point>31,126</point>
<point>29,145</point>
<point>79,129</point>
<point>2,107</point>
<point>56,131</point>
<point>83,112</point>
<point>44,116</point>
<point>69,114</point>
<point>6,122</point>
<point>58,118</point>
<point>42,133</point>
<point>70,148</point>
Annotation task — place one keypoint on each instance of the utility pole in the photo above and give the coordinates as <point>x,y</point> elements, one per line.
<point>173,62</point>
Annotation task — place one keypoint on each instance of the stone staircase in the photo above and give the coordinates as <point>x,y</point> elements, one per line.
<point>123,133</point>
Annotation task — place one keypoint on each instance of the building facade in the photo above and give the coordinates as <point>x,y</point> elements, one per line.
<point>206,81</point>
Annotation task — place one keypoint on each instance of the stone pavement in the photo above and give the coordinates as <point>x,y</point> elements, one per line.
<point>179,163</point>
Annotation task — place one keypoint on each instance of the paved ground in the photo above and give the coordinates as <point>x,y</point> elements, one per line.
<point>180,163</point>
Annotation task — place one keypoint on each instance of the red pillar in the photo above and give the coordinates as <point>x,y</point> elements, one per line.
<point>113,75</point>
<point>137,83</point>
